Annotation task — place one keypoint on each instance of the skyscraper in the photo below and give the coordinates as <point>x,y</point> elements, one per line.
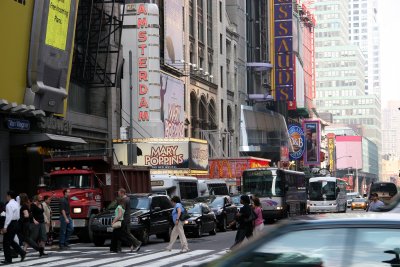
<point>341,75</point>
<point>364,32</point>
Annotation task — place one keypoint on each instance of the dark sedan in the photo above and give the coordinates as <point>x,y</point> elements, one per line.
<point>202,220</point>
<point>224,210</point>
<point>329,240</point>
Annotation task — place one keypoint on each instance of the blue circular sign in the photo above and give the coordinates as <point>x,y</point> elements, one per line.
<point>297,139</point>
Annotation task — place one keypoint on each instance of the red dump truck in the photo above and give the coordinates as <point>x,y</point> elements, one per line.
<point>93,181</point>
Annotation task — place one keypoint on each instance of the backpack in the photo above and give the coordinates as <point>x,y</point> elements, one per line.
<point>252,217</point>
<point>184,215</point>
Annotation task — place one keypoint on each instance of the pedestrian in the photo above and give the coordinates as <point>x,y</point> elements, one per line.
<point>258,226</point>
<point>47,219</point>
<point>38,232</point>
<point>118,233</point>
<point>10,229</point>
<point>66,224</point>
<point>126,222</point>
<point>375,203</point>
<point>244,222</point>
<point>25,224</point>
<point>177,212</point>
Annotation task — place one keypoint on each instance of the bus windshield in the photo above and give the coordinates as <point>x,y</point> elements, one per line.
<point>262,183</point>
<point>322,190</point>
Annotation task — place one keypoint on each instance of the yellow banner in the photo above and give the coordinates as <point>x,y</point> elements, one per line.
<point>57,23</point>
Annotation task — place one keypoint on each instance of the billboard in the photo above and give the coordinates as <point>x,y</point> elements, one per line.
<point>172,92</point>
<point>186,154</point>
<point>296,135</point>
<point>331,152</point>
<point>312,131</point>
<point>141,52</point>
<point>283,47</point>
<point>348,152</point>
<point>173,32</point>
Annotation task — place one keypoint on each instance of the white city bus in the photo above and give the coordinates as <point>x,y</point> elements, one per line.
<point>326,194</point>
<point>282,193</point>
<point>185,187</point>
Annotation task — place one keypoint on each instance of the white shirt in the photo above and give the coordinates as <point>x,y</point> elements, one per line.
<point>12,212</point>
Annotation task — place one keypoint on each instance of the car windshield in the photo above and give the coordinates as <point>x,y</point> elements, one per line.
<point>137,203</point>
<point>358,200</point>
<point>217,202</point>
<point>69,181</point>
<point>194,209</point>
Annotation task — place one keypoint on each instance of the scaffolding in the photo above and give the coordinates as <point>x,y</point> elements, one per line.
<point>97,42</point>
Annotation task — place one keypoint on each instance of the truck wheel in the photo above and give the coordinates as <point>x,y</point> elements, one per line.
<point>86,234</point>
<point>144,237</point>
<point>98,241</point>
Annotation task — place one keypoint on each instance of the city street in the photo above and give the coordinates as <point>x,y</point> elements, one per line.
<point>203,249</point>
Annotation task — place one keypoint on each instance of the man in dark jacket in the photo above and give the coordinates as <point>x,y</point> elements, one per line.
<point>245,225</point>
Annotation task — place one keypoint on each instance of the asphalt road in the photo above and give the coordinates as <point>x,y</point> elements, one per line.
<point>202,249</point>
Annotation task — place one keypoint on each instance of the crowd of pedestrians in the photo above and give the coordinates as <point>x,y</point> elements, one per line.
<point>24,222</point>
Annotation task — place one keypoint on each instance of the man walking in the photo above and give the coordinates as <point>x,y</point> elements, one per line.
<point>126,222</point>
<point>66,225</point>
<point>10,229</point>
<point>375,204</point>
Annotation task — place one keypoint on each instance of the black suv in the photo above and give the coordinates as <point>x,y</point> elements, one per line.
<point>151,214</point>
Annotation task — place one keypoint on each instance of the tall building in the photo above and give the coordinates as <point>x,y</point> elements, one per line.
<point>364,32</point>
<point>390,129</point>
<point>341,74</point>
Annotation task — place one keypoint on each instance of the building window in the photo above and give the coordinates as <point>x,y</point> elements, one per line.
<point>220,44</point>
<point>200,20</point>
<point>221,73</point>
<point>191,18</point>
<point>222,110</point>
<point>220,11</point>
<point>209,23</point>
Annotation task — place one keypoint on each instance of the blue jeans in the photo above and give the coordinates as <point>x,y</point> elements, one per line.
<point>65,230</point>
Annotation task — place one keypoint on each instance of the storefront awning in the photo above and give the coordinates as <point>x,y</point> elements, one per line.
<point>45,138</point>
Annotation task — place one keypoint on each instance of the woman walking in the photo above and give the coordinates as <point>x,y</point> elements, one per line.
<point>25,221</point>
<point>259,222</point>
<point>118,233</point>
<point>47,219</point>
<point>177,212</point>
<point>38,231</point>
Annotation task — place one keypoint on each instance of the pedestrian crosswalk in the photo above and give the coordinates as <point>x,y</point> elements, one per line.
<point>92,257</point>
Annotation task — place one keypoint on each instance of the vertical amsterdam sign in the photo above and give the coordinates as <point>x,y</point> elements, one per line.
<point>283,43</point>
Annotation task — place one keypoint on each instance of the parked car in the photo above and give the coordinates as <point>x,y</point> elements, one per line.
<point>225,211</point>
<point>370,239</point>
<point>151,215</point>
<point>359,203</point>
<point>202,220</point>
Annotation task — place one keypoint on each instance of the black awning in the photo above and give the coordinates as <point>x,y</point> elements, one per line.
<point>45,139</point>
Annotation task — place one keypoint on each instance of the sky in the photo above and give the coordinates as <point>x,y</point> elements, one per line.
<point>390,53</point>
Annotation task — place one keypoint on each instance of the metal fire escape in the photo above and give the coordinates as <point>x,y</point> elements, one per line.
<point>97,40</point>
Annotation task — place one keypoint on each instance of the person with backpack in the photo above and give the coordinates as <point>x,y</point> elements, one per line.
<point>178,219</point>
<point>244,220</point>
<point>259,220</point>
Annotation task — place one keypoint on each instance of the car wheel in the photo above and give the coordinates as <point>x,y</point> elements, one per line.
<point>98,241</point>
<point>144,237</point>
<point>222,227</point>
<point>214,230</point>
<point>198,232</point>
<point>167,235</point>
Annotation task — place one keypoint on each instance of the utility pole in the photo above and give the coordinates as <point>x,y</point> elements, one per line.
<point>131,147</point>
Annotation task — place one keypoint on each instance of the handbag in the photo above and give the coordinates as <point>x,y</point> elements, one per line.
<point>117,224</point>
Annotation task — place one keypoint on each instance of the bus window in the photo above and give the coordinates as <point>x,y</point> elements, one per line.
<point>188,190</point>
<point>262,183</point>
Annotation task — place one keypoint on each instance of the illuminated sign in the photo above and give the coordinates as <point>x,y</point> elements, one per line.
<point>331,151</point>
<point>296,135</point>
<point>313,142</point>
<point>283,43</point>
<point>18,124</point>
